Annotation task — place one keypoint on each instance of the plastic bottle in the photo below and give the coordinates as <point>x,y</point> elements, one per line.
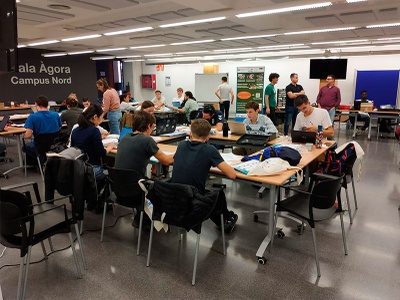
<point>26,102</point>
<point>318,140</point>
<point>12,104</point>
<point>225,129</point>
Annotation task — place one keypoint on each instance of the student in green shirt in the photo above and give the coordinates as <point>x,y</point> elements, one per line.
<point>270,97</point>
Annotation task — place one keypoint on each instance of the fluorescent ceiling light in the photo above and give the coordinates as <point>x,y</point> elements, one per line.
<point>187,58</point>
<point>128,31</point>
<point>192,22</point>
<point>161,54</point>
<point>193,52</point>
<point>382,39</point>
<point>339,42</point>
<point>319,30</point>
<point>132,60</point>
<point>80,52</point>
<point>54,54</point>
<point>102,57</point>
<point>280,46</point>
<point>248,37</point>
<point>21,46</point>
<point>160,58</point>
<point>86,37</point>
<point>129,56</point>
<point>352,48</point>
<point>44,43</point>
<point>383,25</point>
<point>354,1</point>
<point>233,50</point>
<point>150,46</point>
<point>193,42</point>
<point>111,49</point>
<point>283,10</point>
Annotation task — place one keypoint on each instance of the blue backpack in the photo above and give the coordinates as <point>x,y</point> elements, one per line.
<point>292,156</point>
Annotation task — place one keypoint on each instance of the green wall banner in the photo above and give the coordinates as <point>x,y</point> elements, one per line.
<point>250,87</point>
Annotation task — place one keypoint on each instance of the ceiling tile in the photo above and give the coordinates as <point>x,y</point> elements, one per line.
<point>368,32</point>
<point>387,14</point>
<point>358,17</point>
<point>327,20</point>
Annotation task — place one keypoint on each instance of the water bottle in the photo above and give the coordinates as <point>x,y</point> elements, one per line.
<point>318,141</point>
<point>225,129</point>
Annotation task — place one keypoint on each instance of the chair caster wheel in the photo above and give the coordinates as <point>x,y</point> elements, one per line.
<point>260,195</point>
<point>262,260</point>
<point>299,228</point>
<point>255,217</point>
<point>5,176</point>
<point>280,234</point>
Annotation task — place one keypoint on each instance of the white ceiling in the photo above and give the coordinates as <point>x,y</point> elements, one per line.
<point>38,21</point>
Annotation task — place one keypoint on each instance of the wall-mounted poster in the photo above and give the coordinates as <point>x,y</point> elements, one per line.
<point>167,80</point>
<point>250,87</point>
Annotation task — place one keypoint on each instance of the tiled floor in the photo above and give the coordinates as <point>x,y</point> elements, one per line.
<point>370,271</point>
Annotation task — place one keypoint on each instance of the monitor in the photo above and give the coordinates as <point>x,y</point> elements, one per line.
<point>320,68</point>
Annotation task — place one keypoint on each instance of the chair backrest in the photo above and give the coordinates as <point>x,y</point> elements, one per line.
<point>125,185</point>
<point>44,141</point>
<point>193,114</point>
<point>324,192</point>
<point>181,204</point>
<point>127,120</point>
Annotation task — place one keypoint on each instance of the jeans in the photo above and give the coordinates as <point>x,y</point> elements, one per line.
<point>224,108</point>
<point>290,116</point>
<point>331,113</point>
<point>361,118</point>
<point>98,172</point>
<point>115,120</point>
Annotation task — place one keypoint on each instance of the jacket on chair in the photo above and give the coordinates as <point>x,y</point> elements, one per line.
<point>181,204</point>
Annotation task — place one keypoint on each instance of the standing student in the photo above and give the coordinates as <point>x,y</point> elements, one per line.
<point>111,105</point>
<point>270,97</point>
<point>292,91</point>
<point>329,97</point>
<point>309,118</point>
<point>225,95</point>
<point>192,162</point>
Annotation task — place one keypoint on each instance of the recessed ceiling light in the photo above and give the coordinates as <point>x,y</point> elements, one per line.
<point>59,6</point>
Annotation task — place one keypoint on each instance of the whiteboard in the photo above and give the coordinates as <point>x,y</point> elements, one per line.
<point>206,85</point>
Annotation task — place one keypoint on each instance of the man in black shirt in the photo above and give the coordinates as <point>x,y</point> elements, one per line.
<point>292,91</point>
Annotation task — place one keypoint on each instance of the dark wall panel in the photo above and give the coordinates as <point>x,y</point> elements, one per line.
<point>54,77</point>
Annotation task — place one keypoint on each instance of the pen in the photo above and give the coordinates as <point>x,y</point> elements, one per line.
<point>261,157</point>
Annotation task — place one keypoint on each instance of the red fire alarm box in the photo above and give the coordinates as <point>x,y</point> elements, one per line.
<point>149,81</point>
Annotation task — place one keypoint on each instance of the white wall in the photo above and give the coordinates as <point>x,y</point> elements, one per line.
<point>184,75</point>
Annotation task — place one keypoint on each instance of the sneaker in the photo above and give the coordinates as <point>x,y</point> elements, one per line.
<point>230,222</point>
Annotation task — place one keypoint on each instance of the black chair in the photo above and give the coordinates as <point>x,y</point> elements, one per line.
<point>43,142</point>
<point>3,154</point>
<point>125,191</point>
<point>315,205</point>
<point>193,114</point>
<point>183,206</point>
<point>23,225</point>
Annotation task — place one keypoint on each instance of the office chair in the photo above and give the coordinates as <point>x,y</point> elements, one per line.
<point>43,143</point>
<point>315,205</point>
<point>23,225</point>
<point>183,206</point>
<point>124,190</point>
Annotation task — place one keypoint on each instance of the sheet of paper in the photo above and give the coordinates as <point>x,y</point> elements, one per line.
<point>231,158</point>
<point>156,138</point>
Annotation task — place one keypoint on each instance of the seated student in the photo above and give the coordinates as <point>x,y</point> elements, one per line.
<point>41,122</point>
<point>361,117</point>
<point>190,105</point>
<point>85,102</point>
<point>147,106</point>
<point>125,105</point>
<point>87,137</point>
<point>214,117</point>
<point>192,162</point>
<point>71,115</point>
<point>309,118</point>
<point>135,149</point>
<point>158,100</point>
<point>255,123</point>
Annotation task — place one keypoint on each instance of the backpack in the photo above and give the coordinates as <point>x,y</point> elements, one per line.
<point>292,156</point>
<point>338,163</point>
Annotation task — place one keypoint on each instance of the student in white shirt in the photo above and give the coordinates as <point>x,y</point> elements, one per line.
<point>158,100</point>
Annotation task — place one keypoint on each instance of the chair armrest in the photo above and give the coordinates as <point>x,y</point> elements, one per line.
<point>323,176</point>
<point>297,190</point>
<point>18,185</point>
<point>51,201</point>
<point>29,217</point>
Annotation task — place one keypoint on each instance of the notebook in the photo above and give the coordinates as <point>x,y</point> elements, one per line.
<point>3,123</point>
<point>299,136</point>
<point>237,128</point>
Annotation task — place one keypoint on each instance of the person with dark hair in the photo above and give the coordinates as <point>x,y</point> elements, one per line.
<point>362,117</point>
<point>270,97</point>
<point>136,148</point>
<point>147,106</point>
<point>292,91</point>
<point>192,162</point>
<point>71,115</point>
<point>309,118</point>
<point>111,105</point>
<point>41,122</point>
<point>225,95</point>
<point>85,102</point>
<point>87,137</point>
<point>125,105</point>
<point>158,100</point>
<point>191,105</point>
<point>214,117</point>
<point>329,96</point>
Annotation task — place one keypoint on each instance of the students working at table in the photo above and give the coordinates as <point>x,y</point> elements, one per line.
<point>136,148</point>
<point>309,118</point>
<point>214,117</point>
<point>190,105</point>
<point>362,117</point>
<point>192,162</point>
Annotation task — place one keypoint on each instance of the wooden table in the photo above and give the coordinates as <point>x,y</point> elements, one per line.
<point>16,133</point>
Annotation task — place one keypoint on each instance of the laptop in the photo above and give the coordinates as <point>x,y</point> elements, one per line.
<point>124,131</point>
<point>3,123</point>
<point>164,125</point>
<point>255,140</point>
<point>237,128</point>
<point>299,136</point>
<point>176,104</point>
